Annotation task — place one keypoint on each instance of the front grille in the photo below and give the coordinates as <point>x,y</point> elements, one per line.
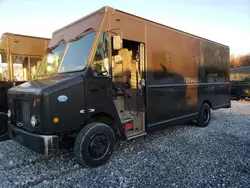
<point>22,111</point>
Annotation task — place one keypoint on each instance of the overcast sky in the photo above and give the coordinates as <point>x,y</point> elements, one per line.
<point>224,21</point>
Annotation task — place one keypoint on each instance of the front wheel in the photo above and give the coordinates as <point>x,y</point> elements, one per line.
<point>204,116</point>
<point>94,144</point>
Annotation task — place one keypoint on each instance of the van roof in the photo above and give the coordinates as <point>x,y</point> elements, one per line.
<point>107,8</point>
<point>20,35</point>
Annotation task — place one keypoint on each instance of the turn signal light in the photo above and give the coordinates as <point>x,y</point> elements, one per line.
<point>55,120</point>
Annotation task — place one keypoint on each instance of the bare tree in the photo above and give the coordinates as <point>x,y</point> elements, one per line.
<point>239,61</point>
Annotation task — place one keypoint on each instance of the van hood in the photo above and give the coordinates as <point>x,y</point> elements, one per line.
<point>47,85</point>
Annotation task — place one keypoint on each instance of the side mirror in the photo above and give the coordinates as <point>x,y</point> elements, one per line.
<point>117,42</point>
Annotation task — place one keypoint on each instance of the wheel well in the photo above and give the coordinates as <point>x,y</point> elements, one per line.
<point>209,103</point>
<point>104,118</point>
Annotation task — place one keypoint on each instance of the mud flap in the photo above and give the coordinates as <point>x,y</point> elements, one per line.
<point>4,127</point>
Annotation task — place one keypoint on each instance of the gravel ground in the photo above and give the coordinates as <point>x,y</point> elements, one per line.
<point>179,156</point>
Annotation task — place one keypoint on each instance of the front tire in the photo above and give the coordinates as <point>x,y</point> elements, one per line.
<point>94,144</point>
<point>204,116</point>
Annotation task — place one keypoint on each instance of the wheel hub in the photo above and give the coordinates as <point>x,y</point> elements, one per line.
<point>98,146</point>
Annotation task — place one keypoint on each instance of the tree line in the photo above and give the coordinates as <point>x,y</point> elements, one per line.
<point>239,61</point>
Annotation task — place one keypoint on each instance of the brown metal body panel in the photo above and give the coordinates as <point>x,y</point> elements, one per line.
<point>116,13</point>
<point>173,48</point>
<point>24,45</point>
<point>179,67</point>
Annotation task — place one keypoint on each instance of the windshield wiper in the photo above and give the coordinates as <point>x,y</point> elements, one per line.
<point>56,45</point>
<point>81,34</point>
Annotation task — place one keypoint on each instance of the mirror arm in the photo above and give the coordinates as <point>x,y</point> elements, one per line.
<point>110,31</point>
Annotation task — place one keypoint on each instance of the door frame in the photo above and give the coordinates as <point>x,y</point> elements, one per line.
<point>142,56</point>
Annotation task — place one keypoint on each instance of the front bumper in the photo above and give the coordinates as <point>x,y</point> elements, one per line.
<point>45,144</point>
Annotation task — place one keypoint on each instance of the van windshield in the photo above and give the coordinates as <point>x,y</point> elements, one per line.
<point>50,61</point>
<point>77,53</point>
<point>4,71</point>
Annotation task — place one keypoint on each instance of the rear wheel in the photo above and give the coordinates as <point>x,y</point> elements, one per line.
<point>204,116</point>
<point>94,144</point>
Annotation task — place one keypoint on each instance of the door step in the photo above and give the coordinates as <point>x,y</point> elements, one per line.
<point>134,134</point>
<point>127,120</point>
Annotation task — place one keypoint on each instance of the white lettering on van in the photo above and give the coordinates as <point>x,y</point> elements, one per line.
<point>191,80</point>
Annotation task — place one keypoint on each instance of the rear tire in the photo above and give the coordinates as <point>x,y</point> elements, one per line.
<point>204,116</point>
<point>94,144</point>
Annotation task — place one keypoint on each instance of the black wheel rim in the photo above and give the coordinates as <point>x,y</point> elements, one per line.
<point>98,146</point>
<point>206,115</point>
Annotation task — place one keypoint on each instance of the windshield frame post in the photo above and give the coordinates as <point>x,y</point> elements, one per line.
<point>96,41</point>
<point>110,55</point>
<point>29,70</point>
<point>93,49</point>
<point>9,61</point>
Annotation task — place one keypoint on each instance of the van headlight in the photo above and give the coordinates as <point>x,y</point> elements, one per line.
<point>9,113</point>
<point>34,121</point>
